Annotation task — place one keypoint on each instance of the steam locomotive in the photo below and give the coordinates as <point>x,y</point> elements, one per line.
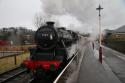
<point>50,53</point>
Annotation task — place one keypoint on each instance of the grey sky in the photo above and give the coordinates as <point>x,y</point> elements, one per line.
<point>18,12</point>
<point>70,13</point>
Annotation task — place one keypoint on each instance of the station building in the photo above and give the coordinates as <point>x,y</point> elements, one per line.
<point>116,39</point>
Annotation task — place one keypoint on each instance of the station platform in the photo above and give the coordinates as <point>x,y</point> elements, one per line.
<point>92,71</point>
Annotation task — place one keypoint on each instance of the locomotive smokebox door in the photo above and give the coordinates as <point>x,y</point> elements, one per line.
<point>46,36</point>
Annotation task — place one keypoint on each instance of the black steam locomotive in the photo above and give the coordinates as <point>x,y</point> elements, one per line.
<point>50,52</point>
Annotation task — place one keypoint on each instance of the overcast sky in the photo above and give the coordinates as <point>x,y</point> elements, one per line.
<point>80,15</point>
<point>18,12</point>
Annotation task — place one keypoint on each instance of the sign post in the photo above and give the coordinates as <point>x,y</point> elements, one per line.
<point>100,34</point>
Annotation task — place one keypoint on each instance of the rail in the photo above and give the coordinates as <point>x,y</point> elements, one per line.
<point>58,77</point>
<point>9,77</point>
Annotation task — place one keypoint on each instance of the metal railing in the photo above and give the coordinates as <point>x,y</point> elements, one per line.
<point>73,66</point>
<point>59,76</point>
<point>9,53</point>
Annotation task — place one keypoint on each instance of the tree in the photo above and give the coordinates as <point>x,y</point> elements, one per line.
<point>38,20</point>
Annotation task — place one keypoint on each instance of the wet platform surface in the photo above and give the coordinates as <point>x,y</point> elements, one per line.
<point>92,71</point>
<point>116,62</point>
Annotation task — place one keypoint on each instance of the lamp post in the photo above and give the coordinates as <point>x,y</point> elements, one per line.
<point>100,34</point>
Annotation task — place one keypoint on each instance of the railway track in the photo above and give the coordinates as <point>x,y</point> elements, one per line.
<point>10,75</point>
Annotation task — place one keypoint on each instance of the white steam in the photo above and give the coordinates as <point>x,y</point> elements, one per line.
<point>83,10</point>
<point>76,13</point>
<point>84,14</point>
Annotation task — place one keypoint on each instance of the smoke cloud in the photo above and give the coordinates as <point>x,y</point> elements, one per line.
<point>84,11</point>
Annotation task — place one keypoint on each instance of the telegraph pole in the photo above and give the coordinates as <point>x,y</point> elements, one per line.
<point>100,34</point>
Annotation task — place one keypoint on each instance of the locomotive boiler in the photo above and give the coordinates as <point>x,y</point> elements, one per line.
<point>50,53</point>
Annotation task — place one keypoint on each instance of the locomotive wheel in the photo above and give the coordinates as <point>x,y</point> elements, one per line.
<point>41,76</point>
<point>40,73</point>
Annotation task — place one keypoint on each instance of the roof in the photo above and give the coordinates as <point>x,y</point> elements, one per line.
<point>120,30</point>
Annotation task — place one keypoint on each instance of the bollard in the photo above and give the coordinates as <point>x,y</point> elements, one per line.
<point>93,45</point>
<point>100,54</point>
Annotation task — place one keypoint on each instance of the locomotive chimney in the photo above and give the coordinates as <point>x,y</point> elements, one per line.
<point>50,23</point>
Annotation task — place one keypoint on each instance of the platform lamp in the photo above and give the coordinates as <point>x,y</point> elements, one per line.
<point>100,34</point>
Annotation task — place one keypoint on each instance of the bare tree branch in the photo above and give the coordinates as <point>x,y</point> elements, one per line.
<point>38,20</point>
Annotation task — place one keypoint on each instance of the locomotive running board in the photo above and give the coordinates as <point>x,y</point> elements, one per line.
<point>65,48</point>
